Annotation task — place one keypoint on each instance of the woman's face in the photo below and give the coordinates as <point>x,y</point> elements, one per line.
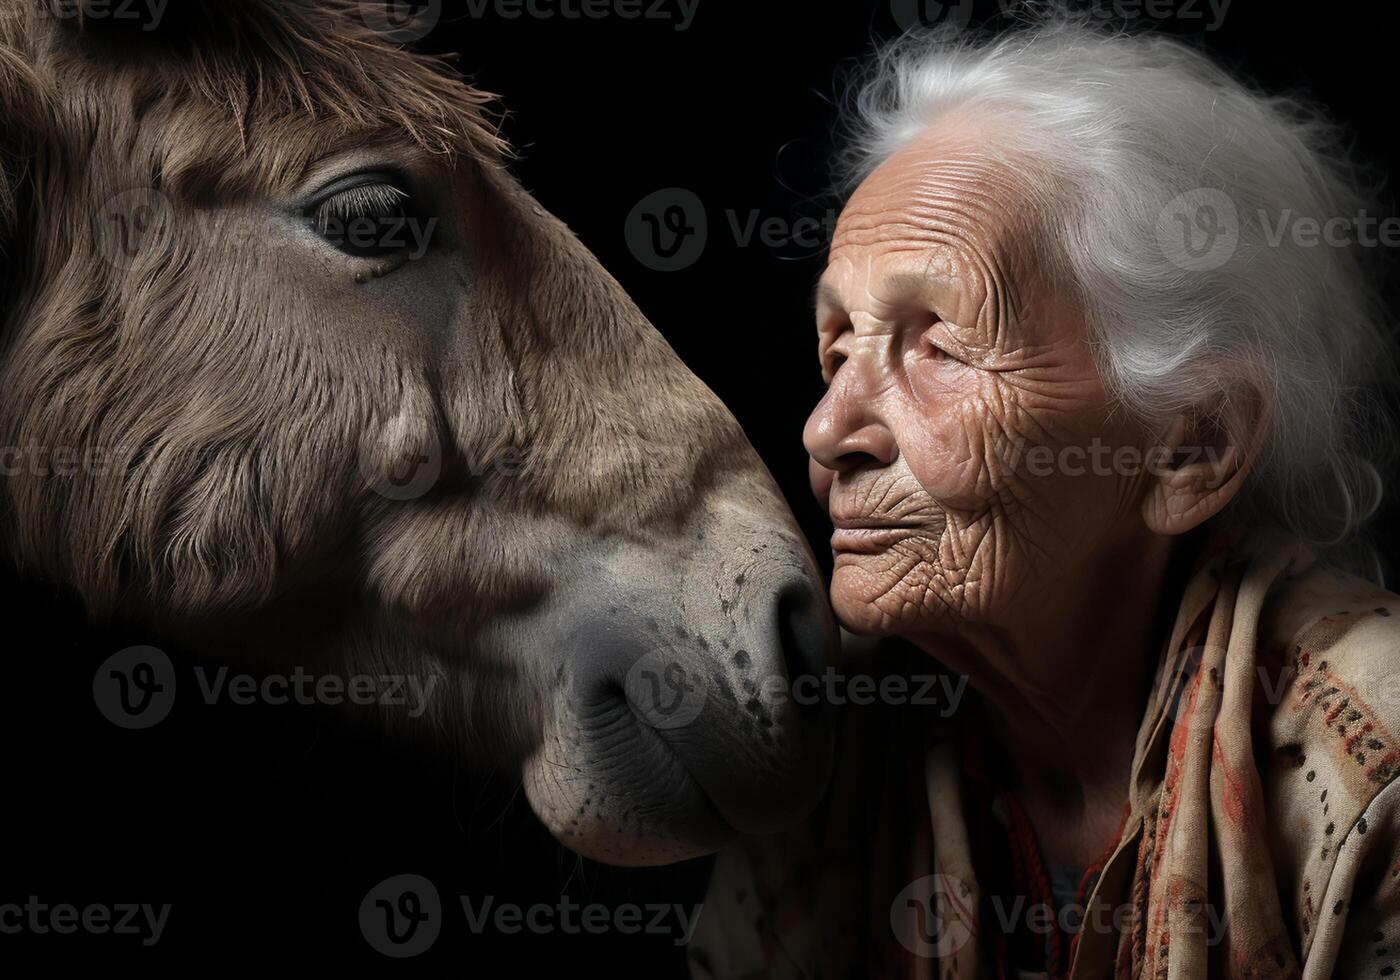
<point>966,448</point>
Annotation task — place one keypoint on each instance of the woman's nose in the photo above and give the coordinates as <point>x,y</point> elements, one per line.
<point>844,434</point>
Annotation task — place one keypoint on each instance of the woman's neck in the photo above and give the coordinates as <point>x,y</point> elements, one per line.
<point>1064,690</point>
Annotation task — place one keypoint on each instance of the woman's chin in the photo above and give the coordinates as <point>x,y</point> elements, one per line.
<point>870,603</point>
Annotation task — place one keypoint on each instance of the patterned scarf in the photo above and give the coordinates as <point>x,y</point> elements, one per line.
<point>1250,721</point>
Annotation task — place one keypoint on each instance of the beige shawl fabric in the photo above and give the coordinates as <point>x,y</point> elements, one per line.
<point>1263,829</point>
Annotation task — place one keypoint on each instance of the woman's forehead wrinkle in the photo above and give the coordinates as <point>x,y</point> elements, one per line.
<point>953,215</point>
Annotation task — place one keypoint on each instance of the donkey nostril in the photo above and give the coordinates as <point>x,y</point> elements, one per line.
<point>805,632</point>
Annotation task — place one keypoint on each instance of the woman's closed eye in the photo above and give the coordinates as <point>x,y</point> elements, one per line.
<point>831,363</point>
<point>368,216</point>
<point>936,353</point>
<point>935,345</point>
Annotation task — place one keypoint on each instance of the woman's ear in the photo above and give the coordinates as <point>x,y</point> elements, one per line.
<point>1202,460</point>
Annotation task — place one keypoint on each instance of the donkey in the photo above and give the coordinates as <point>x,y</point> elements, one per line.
<point>294,372</point>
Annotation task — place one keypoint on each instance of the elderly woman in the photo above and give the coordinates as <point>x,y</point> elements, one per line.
<point>1099,435</point>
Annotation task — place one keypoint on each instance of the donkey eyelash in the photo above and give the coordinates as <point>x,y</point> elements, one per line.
<point>364,201</point>
<point>370,215</point>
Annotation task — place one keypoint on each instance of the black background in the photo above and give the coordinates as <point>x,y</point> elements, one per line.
<point>264,827</point>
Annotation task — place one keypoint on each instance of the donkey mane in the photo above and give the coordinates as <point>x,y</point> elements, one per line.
<point>245,393</point>
<point>225,100</point>
<point>206,502</point>
<point>235,80</point>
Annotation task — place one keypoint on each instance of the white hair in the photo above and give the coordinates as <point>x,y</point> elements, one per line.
<point>1121,137</point>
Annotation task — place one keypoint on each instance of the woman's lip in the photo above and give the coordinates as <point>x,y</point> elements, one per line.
<point>868,539</point>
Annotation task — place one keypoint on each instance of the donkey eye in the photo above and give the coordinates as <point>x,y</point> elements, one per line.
<point>367,216</point>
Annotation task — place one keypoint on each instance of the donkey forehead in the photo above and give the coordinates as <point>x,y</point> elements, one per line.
<point>238,96</point>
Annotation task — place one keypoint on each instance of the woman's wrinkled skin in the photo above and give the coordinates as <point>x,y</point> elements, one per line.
<point>952,362</point>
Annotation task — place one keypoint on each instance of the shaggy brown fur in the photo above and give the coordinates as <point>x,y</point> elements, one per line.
<point>224,382</point>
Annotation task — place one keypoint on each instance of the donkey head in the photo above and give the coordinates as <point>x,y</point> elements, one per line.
<point>295,371</point>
